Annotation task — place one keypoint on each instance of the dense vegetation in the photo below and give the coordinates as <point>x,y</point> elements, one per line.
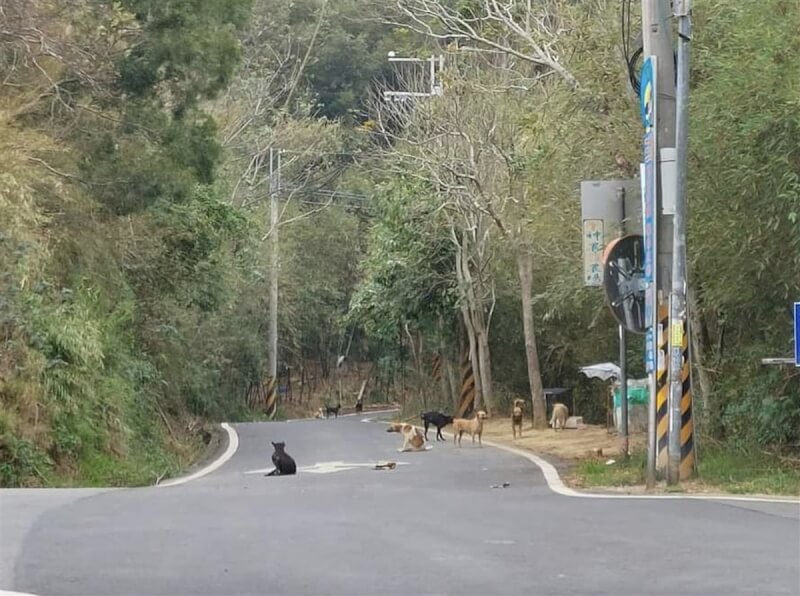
<point>134,143</point>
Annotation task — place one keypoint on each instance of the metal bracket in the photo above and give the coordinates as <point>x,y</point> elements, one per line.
<point>682,8</point>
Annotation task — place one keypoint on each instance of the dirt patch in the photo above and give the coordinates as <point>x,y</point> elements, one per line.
<point>570,444</point>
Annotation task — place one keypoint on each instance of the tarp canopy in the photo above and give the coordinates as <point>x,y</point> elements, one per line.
<point>603,371</point>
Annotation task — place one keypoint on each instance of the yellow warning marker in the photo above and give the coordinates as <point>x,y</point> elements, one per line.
<point>467,401</point>
<point>662,390</point>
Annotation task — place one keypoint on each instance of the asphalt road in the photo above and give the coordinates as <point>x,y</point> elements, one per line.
<point>431,526</point>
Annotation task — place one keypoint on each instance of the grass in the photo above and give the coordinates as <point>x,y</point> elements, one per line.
<point>624,472</point>
<point>758,472</point>
<point>720,470</point>
<point>140,467</point>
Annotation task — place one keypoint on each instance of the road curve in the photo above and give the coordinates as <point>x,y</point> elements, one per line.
<point>431,526</point>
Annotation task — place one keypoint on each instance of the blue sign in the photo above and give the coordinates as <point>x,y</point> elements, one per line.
<point>650,195</point>
<point>647,96</point>
<point>797,333</point>
<point>649,352</point>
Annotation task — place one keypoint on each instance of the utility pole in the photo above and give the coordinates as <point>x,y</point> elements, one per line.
<point>657,41</point>
<point>680,449</point>
<point>274,188</point>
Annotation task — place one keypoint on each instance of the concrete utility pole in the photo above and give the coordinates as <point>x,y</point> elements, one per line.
<point>678,315</point>
<point>274,187</point>
<point>657,41</point>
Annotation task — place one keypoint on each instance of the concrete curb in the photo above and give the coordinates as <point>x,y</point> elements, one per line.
<point>230,450</point>
<point>555,484</point>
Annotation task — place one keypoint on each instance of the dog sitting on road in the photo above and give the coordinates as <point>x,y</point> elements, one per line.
<point>516,417</point>
<point>412,438</point>
<point>473,427</point>
<point>332,410</point>
<point>559,417</point>
<point>438,420</point>
<point>320,413</point>
<point>283,462</point>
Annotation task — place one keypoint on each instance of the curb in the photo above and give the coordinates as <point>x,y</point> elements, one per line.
<point>230,450</point>
<point>556,485</point>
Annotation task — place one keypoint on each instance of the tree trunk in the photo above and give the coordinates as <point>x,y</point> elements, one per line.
<point>486,370</point>
<point>473,356</point>
<point>525,265</point>
<point>464,282</point>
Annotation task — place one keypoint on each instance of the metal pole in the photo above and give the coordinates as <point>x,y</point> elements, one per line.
<point>623,391</point>
<point>678,297</point>
<point>433,74</point>
<point>657,41</point>
<point>623,354</point>
<point>274,185</point>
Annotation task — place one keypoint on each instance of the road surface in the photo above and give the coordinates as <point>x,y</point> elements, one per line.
<point>431,526</point>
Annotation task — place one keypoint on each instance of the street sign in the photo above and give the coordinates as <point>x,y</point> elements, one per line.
<point>607,208</point>
<point>593,243</point>
<point>648,97</point>
<point>649,352</point>
<point>797,334</point>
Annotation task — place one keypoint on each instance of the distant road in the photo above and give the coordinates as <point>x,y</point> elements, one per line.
<point>431,526</point>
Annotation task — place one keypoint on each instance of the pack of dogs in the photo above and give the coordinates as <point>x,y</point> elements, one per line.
<point>415,440</point>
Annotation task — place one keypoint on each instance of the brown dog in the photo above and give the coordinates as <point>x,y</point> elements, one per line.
<point>559,417</point>
<point>412,438</point>
<point>516,417</point>
<point>473,427</point>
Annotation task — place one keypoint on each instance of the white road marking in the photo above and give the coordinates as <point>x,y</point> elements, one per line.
<point>233,445</point>
<point>7,593</point>
<point>329,467</point>
<point>499,542</point>
<point>555,484</point>
<point>367,413</point>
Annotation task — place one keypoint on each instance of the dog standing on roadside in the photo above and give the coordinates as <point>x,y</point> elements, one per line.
<point>283,462</point>
<point>438,420</point>
<point>473,427</point>
<point>559,417</point>
<point>332,410</point>
<point>359,406</point>
<point>412,438</point>
<point>516,417</point>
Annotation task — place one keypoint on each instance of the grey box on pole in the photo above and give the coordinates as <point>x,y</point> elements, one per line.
<point>668,178</point>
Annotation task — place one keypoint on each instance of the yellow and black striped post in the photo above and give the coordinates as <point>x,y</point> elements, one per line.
<point>662,389</point>
<point>436,371</point>
<point>271,401</point>
<point>467,401</point>
<point>687,467</point>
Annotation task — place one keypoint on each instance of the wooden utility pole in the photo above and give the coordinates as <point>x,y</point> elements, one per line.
<point>272,363</point>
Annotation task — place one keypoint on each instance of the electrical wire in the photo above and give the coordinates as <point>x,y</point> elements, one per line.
<point>630,58</point>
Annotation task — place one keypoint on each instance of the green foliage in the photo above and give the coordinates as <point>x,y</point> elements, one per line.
<point>127,284</point>
<point>189,52</point>
<point>408,275</point>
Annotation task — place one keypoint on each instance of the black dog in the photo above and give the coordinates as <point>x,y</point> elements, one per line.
<point>332,410</point>
<point>359,406</point>
<point>438,420</point>
<point>284,464</point>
